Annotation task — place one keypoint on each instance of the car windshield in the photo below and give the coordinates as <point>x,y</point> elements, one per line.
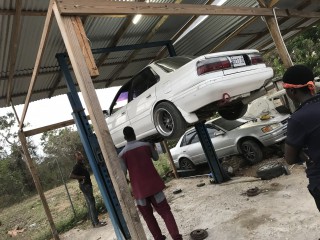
<point>172,63</point>
<point>229,124</point>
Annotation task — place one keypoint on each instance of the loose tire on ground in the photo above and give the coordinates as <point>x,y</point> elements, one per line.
<point>168,121</point>
<point>271,170</point>
<point>251,151</point>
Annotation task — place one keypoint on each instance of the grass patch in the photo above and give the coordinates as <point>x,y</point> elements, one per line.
<point>30,215</point>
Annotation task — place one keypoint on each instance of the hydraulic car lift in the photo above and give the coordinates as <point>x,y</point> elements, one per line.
<point>92,148</point>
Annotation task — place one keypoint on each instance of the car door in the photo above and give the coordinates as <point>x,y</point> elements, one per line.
<point>190,150</point>
<point>221,141</point>
<point>118,118</point>
<point>142,98</point>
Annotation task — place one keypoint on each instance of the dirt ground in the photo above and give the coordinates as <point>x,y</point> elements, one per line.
<point>283,209</point>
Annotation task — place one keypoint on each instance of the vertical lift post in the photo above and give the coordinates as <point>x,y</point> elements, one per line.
<point>93,152</point>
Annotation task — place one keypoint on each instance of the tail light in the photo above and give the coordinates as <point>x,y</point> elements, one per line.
<point>212,65</point>
<point>255,58</point>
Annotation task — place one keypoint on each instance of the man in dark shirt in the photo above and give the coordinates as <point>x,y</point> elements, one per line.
<point>303,131</point>
<point>146,184</point>
<point>81,173</point>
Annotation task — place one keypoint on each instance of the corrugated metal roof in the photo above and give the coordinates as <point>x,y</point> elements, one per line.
<point>101,32</point>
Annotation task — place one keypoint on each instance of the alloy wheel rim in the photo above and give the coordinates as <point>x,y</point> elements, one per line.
<point>164,122</point>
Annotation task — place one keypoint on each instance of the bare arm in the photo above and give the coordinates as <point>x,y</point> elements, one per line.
<point>291,154</point>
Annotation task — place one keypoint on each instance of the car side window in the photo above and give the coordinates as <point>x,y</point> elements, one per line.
<point>194,139</point>
<point>142,82</point>
<point>211,131</point>
<point>186,139</point>
<point>121,99</point>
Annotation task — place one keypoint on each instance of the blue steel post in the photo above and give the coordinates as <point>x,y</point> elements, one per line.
<point>94,155</point>
<point>171,50</point>
<point>218,172</point>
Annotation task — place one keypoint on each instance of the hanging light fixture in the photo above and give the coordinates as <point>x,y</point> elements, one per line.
<point>136,18</point>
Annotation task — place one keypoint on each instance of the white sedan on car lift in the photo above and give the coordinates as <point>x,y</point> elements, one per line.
<point>173,93</point>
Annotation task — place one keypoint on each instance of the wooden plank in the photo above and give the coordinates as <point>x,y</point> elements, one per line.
<point>85,47</point>
<point>44,36</point>
<point>100,126</point>
<point>102,7</point>
<point>36,131</point>
<point>13,50</point>
<point>35,177</point>
<point>54,126</point>
<point>5,12</point>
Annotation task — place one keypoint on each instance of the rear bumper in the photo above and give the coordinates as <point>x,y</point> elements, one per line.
<point>212,90</point>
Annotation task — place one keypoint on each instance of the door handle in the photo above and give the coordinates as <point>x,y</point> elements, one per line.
<point>123,113</point>
<point>148,96</point>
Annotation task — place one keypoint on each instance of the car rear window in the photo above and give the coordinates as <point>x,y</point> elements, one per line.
<point>229,124</point>
<point>172,63</point>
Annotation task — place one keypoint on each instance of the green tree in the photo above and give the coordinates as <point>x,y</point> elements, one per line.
<point>59,147</point>
<point>15,178</point>
<point>303,49</point>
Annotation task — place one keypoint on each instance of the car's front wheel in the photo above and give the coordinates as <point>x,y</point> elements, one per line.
<point>168,120</point>
<point>186,164</point>
<point>233,111</point>
<point>251,151</point>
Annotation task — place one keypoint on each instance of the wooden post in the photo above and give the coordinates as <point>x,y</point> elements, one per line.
<point>173,167</point>
<point>85,46</point>
<point>35,177</point>
<point>100,126</point>
<point>274,30</point>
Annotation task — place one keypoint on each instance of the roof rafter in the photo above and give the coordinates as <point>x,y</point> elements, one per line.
<point>14,45</point>
<point>264,33</point>
<point>43,41</point>
<point>240,28</point>
<point>65,87</point>
<point>154,30</point>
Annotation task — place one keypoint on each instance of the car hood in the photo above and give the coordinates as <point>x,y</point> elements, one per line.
<point>272,120</point>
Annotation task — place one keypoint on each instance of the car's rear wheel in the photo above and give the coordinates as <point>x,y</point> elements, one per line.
<point>233,111</point>
<point>186,164</point>
<point>168,120</point>
<point>251,151</point>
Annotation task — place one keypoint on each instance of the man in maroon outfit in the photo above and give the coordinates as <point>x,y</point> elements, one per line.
<point>146,184</point>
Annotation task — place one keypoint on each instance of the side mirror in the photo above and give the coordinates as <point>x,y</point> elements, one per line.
<point>106,113</point>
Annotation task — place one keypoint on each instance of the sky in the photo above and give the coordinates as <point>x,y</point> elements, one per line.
<point>57,109</point>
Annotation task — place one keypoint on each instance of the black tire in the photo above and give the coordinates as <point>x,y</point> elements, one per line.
<point>251,151</point>
<point>186,164</point>
<point>270,170</point>
<point>233,111</point>
<point>169,121</point>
